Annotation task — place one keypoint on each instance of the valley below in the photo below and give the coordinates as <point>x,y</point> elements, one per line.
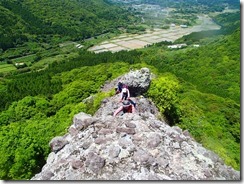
<point>134,41</point>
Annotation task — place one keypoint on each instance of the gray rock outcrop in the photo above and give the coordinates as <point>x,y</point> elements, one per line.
<point>135,146</point>
<point>138,81</point>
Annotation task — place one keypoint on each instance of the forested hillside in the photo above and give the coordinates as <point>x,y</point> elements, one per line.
<point>50,21</point>
<point>214,68</point>
<point>195,88</point>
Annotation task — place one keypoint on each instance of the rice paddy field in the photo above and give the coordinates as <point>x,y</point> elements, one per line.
<point>135,41</point>
<point>6,68</point>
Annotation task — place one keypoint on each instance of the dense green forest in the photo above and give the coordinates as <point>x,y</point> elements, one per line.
<point>197,89</point>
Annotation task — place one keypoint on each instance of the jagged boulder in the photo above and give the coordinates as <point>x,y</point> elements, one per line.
<point>57,143</point>
<point>81,121</point>
<point>138,81</point>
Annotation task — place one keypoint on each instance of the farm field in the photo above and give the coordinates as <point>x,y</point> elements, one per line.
<point>135,41</point>
<point>26,59</point>
<point>6,68</point>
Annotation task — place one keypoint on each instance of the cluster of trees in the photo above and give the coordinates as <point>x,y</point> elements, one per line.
<point>135,29</point>
<point>10,34</point>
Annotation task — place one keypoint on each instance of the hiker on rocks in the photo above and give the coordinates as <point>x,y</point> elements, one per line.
<point>125,93</point>
<point>119,87</point>
<point>132,102</point>
<point>127,107</point>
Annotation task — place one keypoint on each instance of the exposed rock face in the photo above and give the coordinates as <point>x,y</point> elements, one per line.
<point>130,147</point>
<point>138,81</point>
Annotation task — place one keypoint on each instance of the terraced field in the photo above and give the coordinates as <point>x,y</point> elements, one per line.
<point>132,41</point>
<point>6,68</point>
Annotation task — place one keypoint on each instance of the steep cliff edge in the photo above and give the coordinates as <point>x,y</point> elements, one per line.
<point>135,146</point>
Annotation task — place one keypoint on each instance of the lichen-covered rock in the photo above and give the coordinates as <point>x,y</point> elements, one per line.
<point>94,162</point>
<point>57,143</point>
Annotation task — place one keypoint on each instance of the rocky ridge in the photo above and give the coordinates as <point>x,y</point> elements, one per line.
<point>135,146</point>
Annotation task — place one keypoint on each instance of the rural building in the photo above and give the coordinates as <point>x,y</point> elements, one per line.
<point>177,46</point>
<point>183,26</point>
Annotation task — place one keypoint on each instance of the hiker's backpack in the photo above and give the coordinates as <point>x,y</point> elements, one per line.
<point>128,109</point>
